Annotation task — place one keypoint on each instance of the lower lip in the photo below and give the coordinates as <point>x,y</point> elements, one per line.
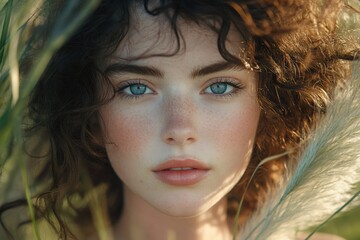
<point>181,177</point>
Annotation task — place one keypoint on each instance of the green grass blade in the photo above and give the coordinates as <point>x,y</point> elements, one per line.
<point>5,32</point>
<point>21,157</point>
<point>333,215</point>
<point>266,160</point>
<point>14,41</point>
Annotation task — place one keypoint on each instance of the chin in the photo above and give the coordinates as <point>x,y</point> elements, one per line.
<point>182,213</point>
<point>184,208</point>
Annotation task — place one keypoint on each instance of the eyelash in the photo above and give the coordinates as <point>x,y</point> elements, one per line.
<point>128,84</point>
<point>229,81</point>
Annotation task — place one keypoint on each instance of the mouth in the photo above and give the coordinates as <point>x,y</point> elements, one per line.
<point>181,172</point>
<point>179,169</point>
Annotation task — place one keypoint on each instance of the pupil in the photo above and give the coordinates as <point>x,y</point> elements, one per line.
<point>137,89</point>
<point>218,88</point>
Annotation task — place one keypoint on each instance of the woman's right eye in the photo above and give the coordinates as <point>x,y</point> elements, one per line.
<point>135,90</point>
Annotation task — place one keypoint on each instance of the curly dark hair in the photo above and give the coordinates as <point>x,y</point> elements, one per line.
<point>294,45</point>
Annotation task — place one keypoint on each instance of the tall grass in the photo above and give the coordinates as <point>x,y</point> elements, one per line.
<point>20,21</point>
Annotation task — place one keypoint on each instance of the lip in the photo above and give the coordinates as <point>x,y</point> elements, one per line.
<point>181,172</point>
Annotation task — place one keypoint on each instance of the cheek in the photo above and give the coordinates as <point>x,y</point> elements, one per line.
<point>125,132</point>
<point>235,129</point>
<point>237,142</point>
<point>233,134</point>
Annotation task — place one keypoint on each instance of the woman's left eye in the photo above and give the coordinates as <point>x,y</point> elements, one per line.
<point>222,88</point>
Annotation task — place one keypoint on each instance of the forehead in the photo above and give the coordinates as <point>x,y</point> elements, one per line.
<point>154,36</point>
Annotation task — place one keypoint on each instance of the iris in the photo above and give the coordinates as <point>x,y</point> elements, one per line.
<point>137,89</point>
<point>218,88</point>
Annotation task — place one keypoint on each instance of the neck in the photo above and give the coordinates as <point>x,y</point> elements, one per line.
<point>141,221</point>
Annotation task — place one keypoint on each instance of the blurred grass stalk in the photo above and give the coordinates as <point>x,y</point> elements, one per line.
<point>17,19</point>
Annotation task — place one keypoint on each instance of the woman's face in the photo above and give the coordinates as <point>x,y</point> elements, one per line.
<point>180,131</point>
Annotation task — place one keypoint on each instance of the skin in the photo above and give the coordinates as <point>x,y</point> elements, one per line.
<point>179,116</point>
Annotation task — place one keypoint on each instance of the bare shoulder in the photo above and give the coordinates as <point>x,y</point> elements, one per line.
<point>318,236</point>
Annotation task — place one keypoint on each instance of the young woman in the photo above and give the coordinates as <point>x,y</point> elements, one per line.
<point>171,105</point>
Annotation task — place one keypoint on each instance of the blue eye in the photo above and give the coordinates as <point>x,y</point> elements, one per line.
<point>220,88</point>
<point>135,89</point>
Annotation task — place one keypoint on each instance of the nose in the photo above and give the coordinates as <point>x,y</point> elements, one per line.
<point>179,119</point>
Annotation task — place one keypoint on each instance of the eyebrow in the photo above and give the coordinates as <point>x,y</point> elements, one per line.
<point>216,67</point>
<point>129,68</point>
<point>152,71</point>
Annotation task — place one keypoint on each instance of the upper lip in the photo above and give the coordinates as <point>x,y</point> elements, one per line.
<point>180,163</point>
